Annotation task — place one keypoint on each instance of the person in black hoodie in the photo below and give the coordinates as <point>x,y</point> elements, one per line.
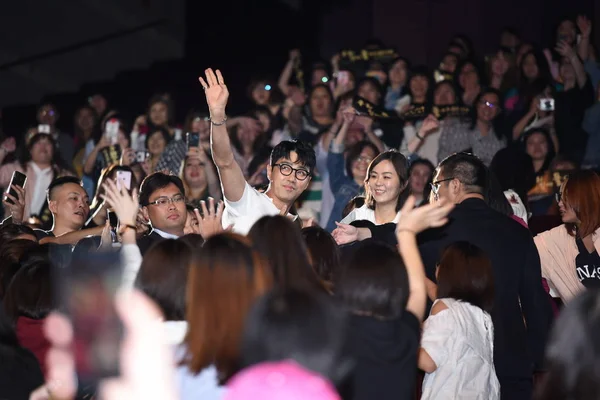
<point>386,298</point>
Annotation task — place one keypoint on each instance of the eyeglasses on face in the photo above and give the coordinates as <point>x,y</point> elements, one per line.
<point>435,186</point>
<point>286,170</point>
<point>364,159</point>
<point>488,104</point>
<point>163,201</point>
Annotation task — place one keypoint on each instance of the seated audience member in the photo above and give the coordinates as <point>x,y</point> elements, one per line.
<point>289,171</point>
<point>224,281</point>
<point>199,177</point>
<point>20,371</point>
<point>10,232</point>
<point>162,198</point>
<point>570,360</point>
<point>166,286</point>
<point>386,298</point>
<point>569,252</point>
<point>293,324</point>
<point>323,253</point>
<point>10,257</point>
<point>385,185</point>
<point>457,346</point>
<point>290,264</point>
<point>69,204</point>
<point>522,312</point>
<point>41,162</point>
<point>420,173</point>
<point>28,301</point>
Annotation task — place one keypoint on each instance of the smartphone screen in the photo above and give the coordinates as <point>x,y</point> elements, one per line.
<point>18,179</point>
<point>547,104</point>
<point>140,156</point>
<point>192,139</point>
<point>44,128</point>
<point>124,180</point>
<point>86,288</point>
<point>112,131</point>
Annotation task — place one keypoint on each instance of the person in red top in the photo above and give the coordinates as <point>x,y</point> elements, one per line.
<point>28,300</point>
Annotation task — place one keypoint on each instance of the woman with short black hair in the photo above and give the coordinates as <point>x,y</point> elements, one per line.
<point>457,344</point>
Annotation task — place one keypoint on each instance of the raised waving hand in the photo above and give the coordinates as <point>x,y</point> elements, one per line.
<point>216,94</point>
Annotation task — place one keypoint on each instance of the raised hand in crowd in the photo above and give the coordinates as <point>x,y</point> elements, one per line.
<point>139,122</point>
<point>345,233</point>
<point>295,55</point>
<point>145,359</point>
<point>9,145</point>
<point>248,123</point>
<point>216,94</point>
<point>585,27</point>
<point>413,221</point>
<point>126,207</point>
<point>416,220</point>
<point>128,157</point>
<point>429,125</point>
<point>567,51</point>
<point>210,222</point>
<point>106,237</point>
<point>14,206</point>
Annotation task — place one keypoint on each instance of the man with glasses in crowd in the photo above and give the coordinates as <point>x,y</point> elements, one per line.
<point>162,198</point>
<point>522,313</point>
<point>289,171</point>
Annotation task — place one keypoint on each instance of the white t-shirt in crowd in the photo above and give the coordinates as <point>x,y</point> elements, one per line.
<point>460,340</point>
<point>364,213</point>
<point>43,178</point>
<point>250,208</point>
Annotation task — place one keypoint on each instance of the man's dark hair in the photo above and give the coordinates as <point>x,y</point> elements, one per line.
<point>306,154</point>
<point>468,169</point>
<point>58,182</point>
<point>156,181</point>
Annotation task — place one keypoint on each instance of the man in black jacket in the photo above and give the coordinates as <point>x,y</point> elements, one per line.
<point>162,198</point>
<point>522,313</point>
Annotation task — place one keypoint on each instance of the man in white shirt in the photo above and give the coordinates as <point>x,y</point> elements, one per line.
<point>289,171</point>
<point>162,198</point>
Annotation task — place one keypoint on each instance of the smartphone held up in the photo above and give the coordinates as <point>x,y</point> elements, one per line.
<point>192,139</point>
<point>18,179</point>
<point>112,131</point>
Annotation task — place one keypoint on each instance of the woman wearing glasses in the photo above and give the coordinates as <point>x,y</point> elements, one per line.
<point>569,253</point>
<point>484,136</point>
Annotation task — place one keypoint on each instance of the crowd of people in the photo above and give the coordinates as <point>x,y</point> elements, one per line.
<point>372,229</point>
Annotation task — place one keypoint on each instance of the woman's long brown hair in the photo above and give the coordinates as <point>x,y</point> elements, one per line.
<point>224,280</point>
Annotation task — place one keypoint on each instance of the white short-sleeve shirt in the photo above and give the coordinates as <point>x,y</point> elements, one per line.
<point>253,205</point>
<point>365,213</point>
<point>460,340</point>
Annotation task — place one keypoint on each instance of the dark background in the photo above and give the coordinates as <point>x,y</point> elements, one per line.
<point>245,39</point>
